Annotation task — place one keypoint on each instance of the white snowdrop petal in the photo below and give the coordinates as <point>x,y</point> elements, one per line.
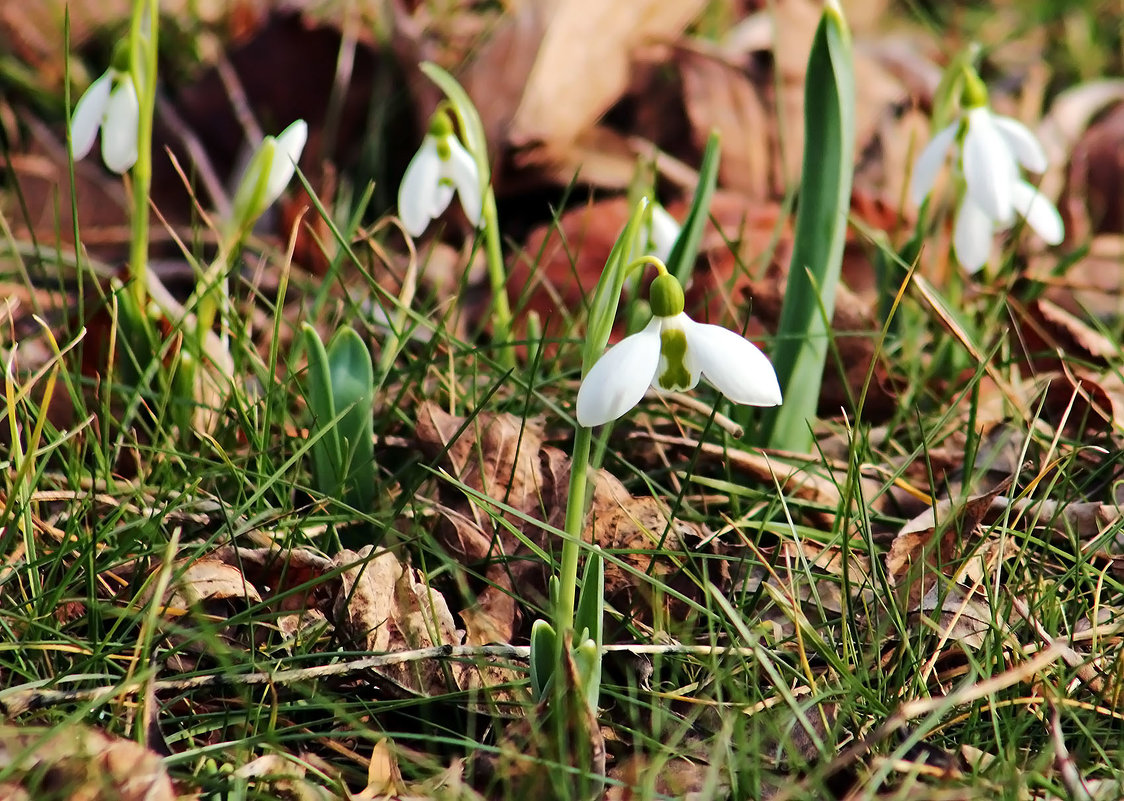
<point>416,195</point>
<point>1038,212</point>
<point>989,167</point>
<point>929,163</point>
<point>461,170</point>
<point>88,115</point>
<point>442,197</point>
<point>663,232</point>
<point>972,236</point>
<point>733,364</point>
<point>620,377</point>
<point>119,130</point>
<point>1022,143</point>
<point>286,153</point>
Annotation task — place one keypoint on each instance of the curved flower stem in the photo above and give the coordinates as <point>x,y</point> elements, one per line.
<point>575,520</point>
<point>497,278</point>
<point>142,67</point>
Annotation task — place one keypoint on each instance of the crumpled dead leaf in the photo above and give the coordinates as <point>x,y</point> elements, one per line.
<point>568,88</point>
<point>942,543</point>
<point>384,606</point>
<point>80,764</point>
<point>503,457</point>
<point>284,777</point>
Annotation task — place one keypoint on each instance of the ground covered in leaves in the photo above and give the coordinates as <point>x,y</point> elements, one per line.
<point>928,605</point>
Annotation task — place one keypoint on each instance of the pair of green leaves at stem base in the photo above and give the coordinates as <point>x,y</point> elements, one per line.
<point>589,636</point>
<point>341,396</point>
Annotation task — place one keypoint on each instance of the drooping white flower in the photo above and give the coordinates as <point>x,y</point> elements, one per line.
<point>268,173</point>
<point>441,167</point>
<point>671,354</point>
<point>662,232</point>
<point>990,151</point>
<point>111,105</point>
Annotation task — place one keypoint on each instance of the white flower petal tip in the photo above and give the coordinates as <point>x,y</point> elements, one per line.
<point>663,231</point>
<point>288,147</point>
<point>973,235</point>
<point>1040,214</point>
<point>1022,143</point>
<point>735,366</point>
<point>119,128</point>
<point>88,115</point>
<point>929,163</point>
<point>619,379</point>
<point>731,363</point>
<point>430,182</point>
<point>990,167</point>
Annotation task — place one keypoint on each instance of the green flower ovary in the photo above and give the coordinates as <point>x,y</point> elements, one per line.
<point>665,295</point>
<point>974,92</point>
<point>441,129</point>
<point>673,348</point>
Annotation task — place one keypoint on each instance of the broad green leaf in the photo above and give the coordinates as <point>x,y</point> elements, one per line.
<point>544,642</point>
<point>352,381</point>
<point>821,227</point>
<point>327,455</point>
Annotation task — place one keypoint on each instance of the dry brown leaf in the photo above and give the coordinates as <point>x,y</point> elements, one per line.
<point>502,457</point>
<point>1068,137</point>
<point>384,777</point>
<point>1049,326</point>
<point>80,764</point>
<point>569,87</point>
<point>382,606</point>
<point>211,585</point>
<point>956,618</point>
<point>678,777</point>
<point>917,556</point>
<point>719,96</point>
<point>284,778</point>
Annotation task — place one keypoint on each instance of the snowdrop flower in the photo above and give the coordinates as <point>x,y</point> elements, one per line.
<point>441,167</point>
<point>111,105</point>
<point>663,230</point>
<point>671,354</point>
<point>268,173</point>
<point>991,150</point>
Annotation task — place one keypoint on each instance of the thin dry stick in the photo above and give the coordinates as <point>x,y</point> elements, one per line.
<point>17,701</point>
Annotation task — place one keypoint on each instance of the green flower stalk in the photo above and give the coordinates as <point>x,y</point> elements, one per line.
<point>143,43</point>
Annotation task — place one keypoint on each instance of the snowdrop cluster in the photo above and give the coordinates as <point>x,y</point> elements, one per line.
<point>441,167</point>
<point>671,354</point>
<point>990,149</point>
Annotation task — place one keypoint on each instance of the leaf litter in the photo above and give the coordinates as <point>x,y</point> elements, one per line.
<point>947,540</point>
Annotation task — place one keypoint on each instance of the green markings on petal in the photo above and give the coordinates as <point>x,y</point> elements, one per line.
<point>673,348</point>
